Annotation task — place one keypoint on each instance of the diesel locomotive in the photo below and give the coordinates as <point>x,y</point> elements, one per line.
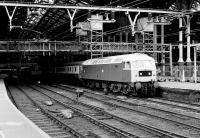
<point>133,74</point>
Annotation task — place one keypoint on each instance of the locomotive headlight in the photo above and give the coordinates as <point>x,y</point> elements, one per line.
<point>156,84</point>
<point>138,86</point>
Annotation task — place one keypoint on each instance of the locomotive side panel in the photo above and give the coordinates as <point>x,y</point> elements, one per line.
<point>104,71</point>
<point>126,75</point>
<point>115,72</point>
<point>108,72</point>
<point>89,72</point>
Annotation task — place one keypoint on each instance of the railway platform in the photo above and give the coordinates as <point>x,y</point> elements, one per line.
<point>13,124</point>
<point>181,91</point>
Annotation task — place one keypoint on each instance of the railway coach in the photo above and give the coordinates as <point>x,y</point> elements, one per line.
<point>72,70</point>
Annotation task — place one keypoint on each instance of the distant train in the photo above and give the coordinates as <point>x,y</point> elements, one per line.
<point>133,74</point>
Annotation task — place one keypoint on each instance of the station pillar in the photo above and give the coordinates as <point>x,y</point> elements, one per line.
<point>109,38</point>
<point>189,62</point>
<point>188,39</point>
<point>121,37</point>
<point>114,37</point>
<point>155,42</point>
<point>162,54</point>
<point>126,37</point>
<point>136,38</point>
<point>180,61</point>
<point>180,42</point>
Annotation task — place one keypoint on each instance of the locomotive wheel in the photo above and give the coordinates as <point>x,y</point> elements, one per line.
<point>134,92</point>
<point>124,90</point>
<point>115,88</point>
<point>144,91</point>
<point>152,93</point>
<point>97,85</point>
<point>92,85</point>
<point>87,84</point>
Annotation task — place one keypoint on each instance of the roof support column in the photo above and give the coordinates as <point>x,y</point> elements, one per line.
<point>180,41</point>
<point>155,42</point>
<point>10,16</point>
<point>195,64</point>
<point>121,37</point>
<point>71,18</point>
<point>162,54</point>
<point>114,38</point>
<point>188,39</point>
<point>132,22</point>
<point>126,37</point>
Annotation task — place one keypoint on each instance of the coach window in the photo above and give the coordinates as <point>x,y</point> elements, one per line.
<point>81,68</point>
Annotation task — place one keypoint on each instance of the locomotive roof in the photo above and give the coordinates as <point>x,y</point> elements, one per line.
<point>118,59</point>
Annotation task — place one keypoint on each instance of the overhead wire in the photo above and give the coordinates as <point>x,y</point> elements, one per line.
<point>78,17</point>
<point>125,27</point>
<point>107,5</point>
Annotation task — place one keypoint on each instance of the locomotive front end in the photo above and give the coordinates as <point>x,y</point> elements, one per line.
<point>144,77</point>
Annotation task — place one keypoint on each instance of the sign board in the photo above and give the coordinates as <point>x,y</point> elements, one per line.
<point>143,24</point>
<point>82,28</point>
<point>96,22</point>
<point>198,48</point>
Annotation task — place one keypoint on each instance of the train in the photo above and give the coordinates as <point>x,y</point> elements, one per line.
<point>133,74</point>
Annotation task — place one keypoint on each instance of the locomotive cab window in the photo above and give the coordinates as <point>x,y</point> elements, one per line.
<point>126,65</point>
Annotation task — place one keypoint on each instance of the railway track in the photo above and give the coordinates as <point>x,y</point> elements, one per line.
<point>184,105</point>
<point>192,122</point>
<point>36,114</point>
<point>98,128</point>
<point>138,101</point>
<point>143,125</point>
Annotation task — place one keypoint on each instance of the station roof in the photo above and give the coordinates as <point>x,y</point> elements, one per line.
<point>54,24</point>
